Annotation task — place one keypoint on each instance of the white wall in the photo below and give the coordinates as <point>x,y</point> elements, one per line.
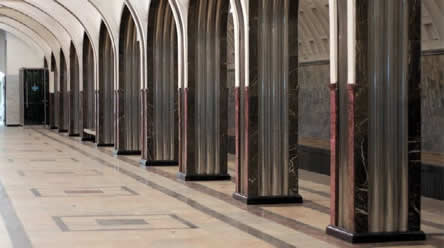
<point>18,54</point>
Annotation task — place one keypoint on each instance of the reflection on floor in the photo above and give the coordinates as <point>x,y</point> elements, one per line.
<point>57,192</point>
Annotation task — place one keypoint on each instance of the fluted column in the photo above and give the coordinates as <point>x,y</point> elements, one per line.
<point>160,97</point>
<point>105,92</point>
<point>267,126</point>
<point>63,97</point>
<point>203,101</point>
<point>127,96</point>
<point>376,120</point>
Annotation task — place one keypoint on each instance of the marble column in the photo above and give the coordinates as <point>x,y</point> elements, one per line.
<point>268,107</point>
<point>63,112</point>
<point>105,93</point>
<point>160,100</point>
<point>87,93</point>
<point>73,130</point>
<point>376,121</point>
<point>203,101</point>
<point>52,110</point>
<point>73,94</point>
<point>128,119</point>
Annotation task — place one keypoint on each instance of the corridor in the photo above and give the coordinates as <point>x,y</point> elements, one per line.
<point>57,191</point>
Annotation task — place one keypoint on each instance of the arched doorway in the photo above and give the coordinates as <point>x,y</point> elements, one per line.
<point>205,121</point>
<point>127,95</point>
<point>63,103</point>
<point>54,103</point>
<point>105,101</point>
<point>87,97</point>
<point>74,120</point>
<point>160,97</point>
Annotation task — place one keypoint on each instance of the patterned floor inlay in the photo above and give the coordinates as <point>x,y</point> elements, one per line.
<point>121,223</point>
<point>83,192</point>
<point>59,172</point>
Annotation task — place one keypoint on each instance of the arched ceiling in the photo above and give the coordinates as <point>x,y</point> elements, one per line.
<point>58,22</point>
<point>29,38</point>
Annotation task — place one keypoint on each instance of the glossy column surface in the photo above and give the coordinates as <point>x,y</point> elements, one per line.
<point>269,104</point>
<point>129,87</point>
<point>207,92</point>
<point>55,109</point>
<point>345,182</point>
<point>379,118</point>
<point>63,113</point>
<point>105,93</point>
<point>89,103</point>
<point>388,134</point>
<point>74,103</point>
<point>273,99</point>
<point>162,85</point>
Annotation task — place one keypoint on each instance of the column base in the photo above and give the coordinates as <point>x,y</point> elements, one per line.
<point>62,131</point>
<point>13,125</point>
<point>105,145</point>
<point>90,139</point>
<point>117,152</point>
<point>259,200</point>
<point>159,162</point>
<point>184,177</point>
<point>354,238</point>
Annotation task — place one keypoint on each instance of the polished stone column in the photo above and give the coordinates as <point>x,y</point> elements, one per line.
<point>73,94</point>
<point>86,96</point>
<point>267,107</point>
<point>52,110</point>
<point>105,92</point>
<point>376,121</point>
<point>63,100</point>
<point>127,97</point>
<point>160,147</point>
<point>203,101</point>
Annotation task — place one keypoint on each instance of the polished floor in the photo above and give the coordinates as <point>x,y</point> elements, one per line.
<point>56,191</point>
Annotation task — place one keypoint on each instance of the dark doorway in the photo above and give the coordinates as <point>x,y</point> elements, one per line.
<point>33,97</point>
